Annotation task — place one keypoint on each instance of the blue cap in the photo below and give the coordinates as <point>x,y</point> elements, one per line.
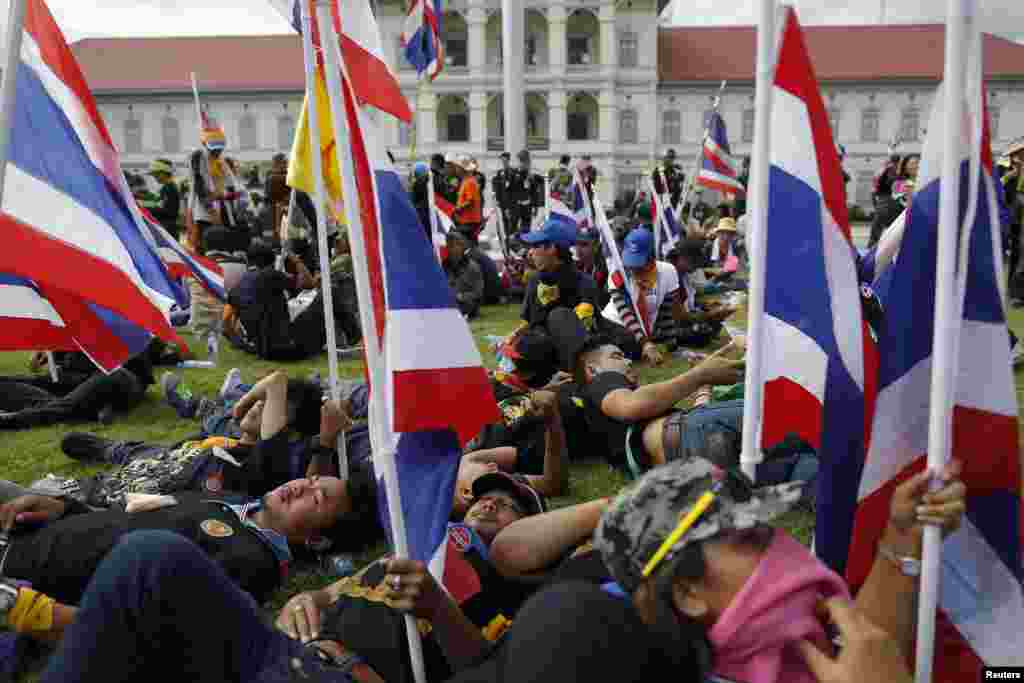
<point>553,231</point>
<point>638,249</point>
<point>420,169</point>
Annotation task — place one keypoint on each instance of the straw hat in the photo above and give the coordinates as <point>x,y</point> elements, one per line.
<point>726,224</point>
<point>1015,148</point>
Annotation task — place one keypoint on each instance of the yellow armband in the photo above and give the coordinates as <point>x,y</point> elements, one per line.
<point>32,612</point>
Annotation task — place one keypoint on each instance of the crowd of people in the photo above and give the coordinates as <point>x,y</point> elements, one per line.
<point>159,563</point>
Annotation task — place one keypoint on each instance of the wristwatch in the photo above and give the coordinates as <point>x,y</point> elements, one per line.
<point>8,597</point>
<point>908,566</point>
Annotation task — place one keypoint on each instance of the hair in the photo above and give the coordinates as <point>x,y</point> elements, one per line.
<point>564,255</point>
<point>901,169</point>
<point>564,159</point>
<point>591,344</point>
<point>307,398</point>
<point>360,527</point>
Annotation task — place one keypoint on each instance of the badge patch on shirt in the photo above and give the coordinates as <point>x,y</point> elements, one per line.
<point>214,483</point>
<point>216,528</point>
<point>547,294</point>
<point>460,539</point>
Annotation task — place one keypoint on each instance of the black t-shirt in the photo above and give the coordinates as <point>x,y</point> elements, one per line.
<point>567,287</point>
<point>262,301</point>
<point>259,469</point>
<point>607,430</point>
<point>363,620</point>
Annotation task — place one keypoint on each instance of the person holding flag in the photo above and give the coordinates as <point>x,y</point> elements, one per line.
<point>213,185</point>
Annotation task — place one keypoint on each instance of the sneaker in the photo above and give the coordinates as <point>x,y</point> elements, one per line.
<point>1017,354</point>
<point>178,395</point>
<point>231,382</point>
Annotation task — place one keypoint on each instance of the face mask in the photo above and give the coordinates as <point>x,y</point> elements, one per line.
<point>755,638</point>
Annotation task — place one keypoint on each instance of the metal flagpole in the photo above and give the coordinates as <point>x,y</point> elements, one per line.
<point>947,319</point>
<point>8,94</point>
<point>758,231</point>
<point>315,144</point>
<point>692,178</point>
<point>383,444</point>
<point>435,222</point>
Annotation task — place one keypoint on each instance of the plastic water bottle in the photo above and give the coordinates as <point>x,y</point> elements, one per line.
<point>212,347</point>
<point>196,364</point>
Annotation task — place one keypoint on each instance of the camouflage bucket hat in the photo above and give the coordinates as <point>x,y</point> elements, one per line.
<point>643,516</point>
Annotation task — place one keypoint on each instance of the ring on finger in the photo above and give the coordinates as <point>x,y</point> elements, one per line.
<point>396,582</point>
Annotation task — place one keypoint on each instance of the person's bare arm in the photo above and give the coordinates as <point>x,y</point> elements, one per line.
<point>555,477</point>
<point>536,542</point>
<point>654,400</point>
<point>275,407</point>
<point>889,598</point>
<point>257,393</point>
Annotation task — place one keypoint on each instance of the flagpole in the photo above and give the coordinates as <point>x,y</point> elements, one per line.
<point>432,206</point>
<point>947,320</point>
<point>692,179</point>
<point>8,92</point>
<point>380,418</point>
<point>316,144</point>
<point>757,237</point>
<point>656,206</point>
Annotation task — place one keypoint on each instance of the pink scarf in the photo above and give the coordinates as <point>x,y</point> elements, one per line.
<point>754,640</point>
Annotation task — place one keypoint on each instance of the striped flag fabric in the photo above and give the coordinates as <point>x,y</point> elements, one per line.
<point>445,224</point>
<point>438,396</point>
<point>28,322</point>
<point>73,229</point>
<point>182,262</point>
<point>421,37</point>
<point>981,601</point>
<point>814,336</point>
<point>616,271</point>
<point>718,168</point>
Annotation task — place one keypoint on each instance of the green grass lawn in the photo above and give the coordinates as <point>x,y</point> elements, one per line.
<point>31,454</point>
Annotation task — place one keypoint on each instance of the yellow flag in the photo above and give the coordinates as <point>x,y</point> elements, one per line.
<point>300,166</point>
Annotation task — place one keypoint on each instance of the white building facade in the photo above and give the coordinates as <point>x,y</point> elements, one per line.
<point>593,85</point>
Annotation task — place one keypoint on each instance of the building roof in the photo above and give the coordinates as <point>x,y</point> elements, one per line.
<point>839,53</point>
<point>227,63</point>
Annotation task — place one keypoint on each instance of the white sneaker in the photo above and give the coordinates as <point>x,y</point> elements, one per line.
<point>231,381</point>
<point>1017,354</point>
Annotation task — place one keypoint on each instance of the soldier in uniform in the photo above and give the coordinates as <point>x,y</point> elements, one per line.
<point>526,195</point>
<point>668,179</point>
<point>560,177</point>
<point>502,184</point>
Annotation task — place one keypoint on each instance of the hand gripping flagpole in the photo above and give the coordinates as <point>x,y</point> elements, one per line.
<point>380,416</point>
<point>947,318</point>
<point>691,180</point>
<point>316,145</point>
<point>760,163</point>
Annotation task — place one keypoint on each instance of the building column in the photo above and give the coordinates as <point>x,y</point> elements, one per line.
<point>557,47</point>
<point>608,127</point>
<point>513,18</point>
<point>609,44</point>
<point>426,120</point>
<point>476,20</point>
<point>557,127</point>
<point>478,120</point>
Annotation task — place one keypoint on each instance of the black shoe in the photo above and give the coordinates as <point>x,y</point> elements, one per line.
<point>87,447</point>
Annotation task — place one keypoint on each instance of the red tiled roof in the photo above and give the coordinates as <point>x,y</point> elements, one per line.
<point>235,63</point>
<point>839,53</point>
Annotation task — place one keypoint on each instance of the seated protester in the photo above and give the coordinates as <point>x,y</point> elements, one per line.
<point>724,256</point>
<point>590,261</point>
<point>749,591</point>
<point>250,540</point>
<point>261,302</point>
<point>177,600</point>
<point>96,397</point>
<point>650,304</point>
<point>309,327</point>
<point>255,463</point>
<point>699,325</point>
<point>361,613</point>
<point>464,275</point>
<point>493,289</point>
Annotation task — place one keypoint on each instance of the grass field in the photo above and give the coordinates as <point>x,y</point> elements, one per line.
<point>31,454</point>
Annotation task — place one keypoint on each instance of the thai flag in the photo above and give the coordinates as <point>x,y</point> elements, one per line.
<point>445,224</point>
<point>73,228</point>
<point>560,212</point>
<point>28,322</point>
<point>718,168</point>
<point>814,345</point>
<point>666,227</point>
<point>380,89</point>
<point>580,204</point>
<point>182,263</point>
<point>438,394</point>
<point>981,603</point>
<point>421,37</point>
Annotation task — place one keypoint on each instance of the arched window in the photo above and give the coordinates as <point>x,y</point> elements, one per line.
<point>171,133</point>
<point>285,131</point>
<point>133,136</point>
<point>581,117</point>
<point>671,127</point>
<point>628,133</point>
<point>248,135</point>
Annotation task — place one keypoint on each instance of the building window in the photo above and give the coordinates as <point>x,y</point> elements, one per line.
<point>869,120</point>
<point>628,134</point>
<point>865,186</point>
<point>628,48</point>
<point>458,127</point>
<point>404,134</point>
<point>671,127</point>
<point>910,124</point>
<point>531,50</point>
<point>247,134</point>
<point>133,136</point>
<point>579,50</point>
<point>285,132</point>
<point>993,122</point>
<point>834,116</point>
<point>578,126</point>
<point>171,130</point>
<point>581,118</point>
<point>748,126</point>
<point>456,51</point>
<point>628,183</point>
